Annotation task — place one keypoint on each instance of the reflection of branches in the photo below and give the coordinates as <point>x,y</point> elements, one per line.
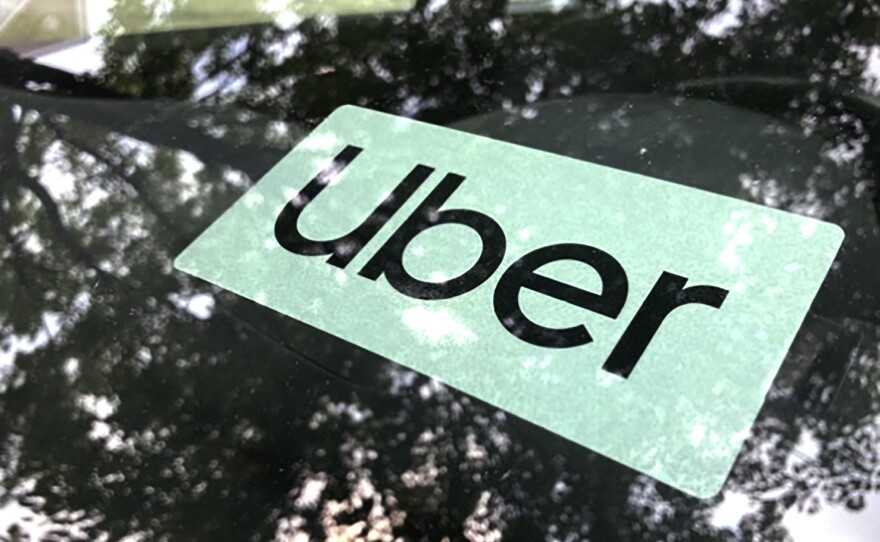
<point>80,253</point>
<point>460,60</point>
<point>19,261</point>
<point>115,169</point>
<point>12,169</point>
<point>53,214</point>
<point>143,121</point>
<point>23,266</point>
<point>778,92</point>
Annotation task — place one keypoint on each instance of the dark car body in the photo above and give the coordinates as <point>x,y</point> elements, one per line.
<point>136,401</point>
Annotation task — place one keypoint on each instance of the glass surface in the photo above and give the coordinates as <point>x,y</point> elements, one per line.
<point>535,286</point>
<point>139,402</point>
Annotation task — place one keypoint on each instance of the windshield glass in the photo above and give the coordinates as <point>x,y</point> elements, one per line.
<point>141,403</point>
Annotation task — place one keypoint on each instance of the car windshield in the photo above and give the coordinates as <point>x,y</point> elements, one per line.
<point>140,403</point>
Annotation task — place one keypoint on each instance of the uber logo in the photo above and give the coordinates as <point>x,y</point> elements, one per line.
<point>669,292</point>
<point>641,318</point>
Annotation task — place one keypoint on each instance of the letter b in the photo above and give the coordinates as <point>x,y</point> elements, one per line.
<point>389,259</point>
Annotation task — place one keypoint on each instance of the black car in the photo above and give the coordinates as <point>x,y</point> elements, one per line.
<point>139,403</point>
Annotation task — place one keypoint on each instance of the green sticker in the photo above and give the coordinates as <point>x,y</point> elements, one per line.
<point>640,318</point>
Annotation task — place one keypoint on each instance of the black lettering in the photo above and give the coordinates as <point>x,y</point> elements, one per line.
<point>667,294</point>
<point>522,275</point>
<point>343,249</point>
<point>389,259</point>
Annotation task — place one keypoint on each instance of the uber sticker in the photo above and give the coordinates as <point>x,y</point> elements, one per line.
<point>639,318</point>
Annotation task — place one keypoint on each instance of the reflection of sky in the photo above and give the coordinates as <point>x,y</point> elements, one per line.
<point>12,345</point>
<point>832,522</point>
<point>78,59</point>
<point>871,74</point>
<point>835,523</point>
<point>38,526</point>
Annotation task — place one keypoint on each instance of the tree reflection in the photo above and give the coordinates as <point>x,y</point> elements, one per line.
<point>136,401</point>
